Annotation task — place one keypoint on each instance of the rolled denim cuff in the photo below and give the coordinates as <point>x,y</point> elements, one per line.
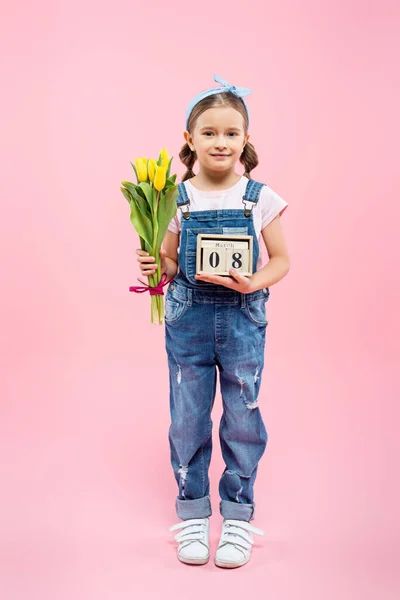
<point>235,510</point>
<point>199,508</point>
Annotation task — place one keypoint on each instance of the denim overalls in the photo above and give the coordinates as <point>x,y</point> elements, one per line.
<point>209,326</point>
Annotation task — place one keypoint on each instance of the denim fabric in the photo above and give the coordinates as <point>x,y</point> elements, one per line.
<point>210,327</point>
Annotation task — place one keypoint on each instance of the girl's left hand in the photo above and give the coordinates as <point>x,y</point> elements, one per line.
<point>237,281</point>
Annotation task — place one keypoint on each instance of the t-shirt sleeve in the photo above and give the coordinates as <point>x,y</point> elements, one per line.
<point>272,205</point>
<point>174,225</point>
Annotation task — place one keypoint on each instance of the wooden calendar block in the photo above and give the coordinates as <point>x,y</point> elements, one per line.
<point>214,260</point>
<point>217,253</point>
<point>238,258</point>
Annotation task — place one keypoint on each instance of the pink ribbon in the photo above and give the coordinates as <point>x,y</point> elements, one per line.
<point>154,290</point>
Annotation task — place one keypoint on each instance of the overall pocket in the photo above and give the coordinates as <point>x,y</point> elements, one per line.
<point>256,311</point>
<point>174,308</point>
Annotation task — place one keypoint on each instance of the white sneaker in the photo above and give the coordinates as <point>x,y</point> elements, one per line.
<point>193,540</point>
<point>234,548</point>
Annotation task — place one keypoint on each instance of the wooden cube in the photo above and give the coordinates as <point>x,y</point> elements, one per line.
<point>214,259</point>
<point>217,253</point>
<point>238,258</point>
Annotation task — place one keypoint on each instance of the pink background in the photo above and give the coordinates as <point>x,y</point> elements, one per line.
<point>87,488</point>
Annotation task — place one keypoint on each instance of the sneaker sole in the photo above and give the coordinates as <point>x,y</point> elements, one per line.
<point>194,561</point>
<point>228,565</point>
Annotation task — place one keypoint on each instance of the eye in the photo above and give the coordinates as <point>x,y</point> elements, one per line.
<point>232,132</point>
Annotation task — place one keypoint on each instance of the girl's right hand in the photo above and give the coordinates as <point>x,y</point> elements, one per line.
<point>147,263</point>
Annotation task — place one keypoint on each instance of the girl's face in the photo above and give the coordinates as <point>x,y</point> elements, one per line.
<point>218,138</point>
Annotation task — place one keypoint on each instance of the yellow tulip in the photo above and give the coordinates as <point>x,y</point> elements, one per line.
<point>152,169</point>
<point>141,168</point>
<point>160,178</point>
<point>164,158</point>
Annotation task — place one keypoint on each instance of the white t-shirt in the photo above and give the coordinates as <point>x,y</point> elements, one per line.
<point>269,205</point>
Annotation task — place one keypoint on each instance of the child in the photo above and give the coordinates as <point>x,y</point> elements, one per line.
<point>218,321</point>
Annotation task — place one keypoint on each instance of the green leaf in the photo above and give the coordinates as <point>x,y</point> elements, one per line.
<point>126,193</point>
<point>150,194</point>
<point>166,211</point>
<point>143,245</point>
<point>134,168</point>
<point>138,195</point>
<point>169,183</point>
<point>169,166</point>
<point>141,192</point>
<point>141,223</point>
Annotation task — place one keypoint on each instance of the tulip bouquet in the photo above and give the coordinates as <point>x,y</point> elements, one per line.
<point>153,204</point>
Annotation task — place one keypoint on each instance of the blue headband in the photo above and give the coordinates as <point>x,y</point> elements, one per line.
<point>238,91</point>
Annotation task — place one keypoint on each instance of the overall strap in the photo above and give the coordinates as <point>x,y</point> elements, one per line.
<point>183,200</point>
<point>251,194</point>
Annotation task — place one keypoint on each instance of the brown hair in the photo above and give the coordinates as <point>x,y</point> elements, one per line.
<point>248,158</point>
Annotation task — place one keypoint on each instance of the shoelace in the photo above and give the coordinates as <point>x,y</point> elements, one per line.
<point>193,530</point>
<point>238,533</point>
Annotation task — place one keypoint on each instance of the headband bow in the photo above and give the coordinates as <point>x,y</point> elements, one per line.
<point>238,91</point>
